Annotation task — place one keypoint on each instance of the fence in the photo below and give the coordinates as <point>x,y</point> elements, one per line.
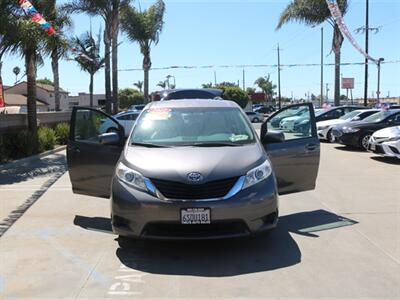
<point>16,122</point>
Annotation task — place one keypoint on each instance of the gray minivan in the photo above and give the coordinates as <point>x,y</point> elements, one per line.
<point>192,169</point>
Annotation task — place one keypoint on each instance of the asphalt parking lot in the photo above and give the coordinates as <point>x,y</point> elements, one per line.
<point>340,241</point>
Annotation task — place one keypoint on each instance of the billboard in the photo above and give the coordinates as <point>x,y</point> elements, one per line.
<point>347,83</point>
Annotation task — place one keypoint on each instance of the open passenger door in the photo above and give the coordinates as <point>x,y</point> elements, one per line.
<point>95,144</point>
<point>290,138</point>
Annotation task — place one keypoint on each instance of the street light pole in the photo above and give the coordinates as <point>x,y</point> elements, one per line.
<point>378,91</point>
<point>322,66</point>
<point>279,79</point>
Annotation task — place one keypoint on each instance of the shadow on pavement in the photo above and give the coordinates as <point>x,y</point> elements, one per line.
<point>349,149</point>
<point>387,160</point>
<point>223,257</point>
<point>18,172</point>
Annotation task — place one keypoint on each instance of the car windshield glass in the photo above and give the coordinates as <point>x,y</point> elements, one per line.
<point>378,117</point>
<point>349,115</point>
<point>319,112</point>
<point>192,127</point>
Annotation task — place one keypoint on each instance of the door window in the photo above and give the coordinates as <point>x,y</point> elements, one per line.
<point>294,122</point>
<point>89,124</point>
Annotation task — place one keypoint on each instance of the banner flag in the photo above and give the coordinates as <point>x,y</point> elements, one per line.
<point>337,16</point>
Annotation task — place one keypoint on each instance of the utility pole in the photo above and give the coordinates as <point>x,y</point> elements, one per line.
<point>279,78</point>
<point>244,80</point>
<point>366,50</point>
<point>215,78</point>
<point>322,66</point>
<point>327,92</point>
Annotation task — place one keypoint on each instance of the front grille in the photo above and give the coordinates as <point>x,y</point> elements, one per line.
<point>183,191</point>
<point>217,229</point>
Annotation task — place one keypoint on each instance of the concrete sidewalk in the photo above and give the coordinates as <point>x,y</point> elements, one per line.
<point>24,182</point>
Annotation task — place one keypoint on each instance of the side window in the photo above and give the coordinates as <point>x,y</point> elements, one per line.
<point>336,113</point>
<point>348,109</point>
<point>394,119</point>
<point>294,122</point>
<point>89,124</point>
<point>132,117</point>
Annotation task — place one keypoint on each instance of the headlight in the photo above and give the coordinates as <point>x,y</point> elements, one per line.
<point>396,138</point>
<point>257,174</point>
<point>131,177</point>
<point>350,129</point>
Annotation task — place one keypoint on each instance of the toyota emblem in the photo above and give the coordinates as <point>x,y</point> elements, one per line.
<point>195,177</point>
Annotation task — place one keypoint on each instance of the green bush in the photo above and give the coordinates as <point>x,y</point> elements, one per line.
<point>62,133</point>
<point>235,94</point>
<point>17,145</point>
<point>46,138</point>
<point>128,97</point>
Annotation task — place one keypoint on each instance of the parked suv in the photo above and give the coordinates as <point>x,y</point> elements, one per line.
<point>192,169</point>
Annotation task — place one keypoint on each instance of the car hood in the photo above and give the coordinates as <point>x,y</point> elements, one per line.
<point>330,122</point>
<point>387,132</point>
<point>175,164</point>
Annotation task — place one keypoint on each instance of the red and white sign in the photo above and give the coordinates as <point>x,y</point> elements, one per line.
<point>347,83</point>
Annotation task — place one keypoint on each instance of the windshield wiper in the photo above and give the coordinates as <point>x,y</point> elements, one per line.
<point>148,145</point>
<point>215,144</point>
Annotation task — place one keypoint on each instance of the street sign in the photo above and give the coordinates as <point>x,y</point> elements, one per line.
<point>348,83</point>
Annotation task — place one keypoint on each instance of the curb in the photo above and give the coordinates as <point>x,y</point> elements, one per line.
<point>34,157</point>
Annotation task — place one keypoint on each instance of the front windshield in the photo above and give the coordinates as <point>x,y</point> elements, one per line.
<point>378,117</point>
<point>192,127</point>
<point>349,115</point>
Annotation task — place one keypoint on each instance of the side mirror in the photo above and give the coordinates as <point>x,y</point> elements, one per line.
<point>272,137</point>
<point>111,138</point>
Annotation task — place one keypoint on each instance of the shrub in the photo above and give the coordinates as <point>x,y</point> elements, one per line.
<point>128,97</point>
<point>17,145</point>
<point>46,138</point>
<point>62,133</point>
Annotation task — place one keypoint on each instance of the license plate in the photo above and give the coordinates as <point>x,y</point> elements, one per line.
<point>196,216</point>
<point>372,147</point>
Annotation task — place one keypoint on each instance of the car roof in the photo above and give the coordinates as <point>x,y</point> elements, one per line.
<point>129,112</point>
<point>187,103</point>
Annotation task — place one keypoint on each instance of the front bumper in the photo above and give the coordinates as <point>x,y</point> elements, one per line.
<point>141,215</point>
<point>348,139</point>
<point>387,149</point>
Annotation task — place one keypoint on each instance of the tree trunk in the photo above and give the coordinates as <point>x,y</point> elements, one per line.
<point>337,44</point>
<point>107,67</point>
<point>2,101</point>
<point>146,69</point>
<point>114,54</point>
<point>30,65</point>
<point>91,90</point>
<point>56,80</point>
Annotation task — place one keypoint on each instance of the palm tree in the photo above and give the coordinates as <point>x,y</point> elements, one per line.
<point>22,36</point>
<point>139,85</point>
<point>313,13</point>
<point>89,47</point>
<point>144,27</point>
<point>109,11</point>
<point>56,46</point>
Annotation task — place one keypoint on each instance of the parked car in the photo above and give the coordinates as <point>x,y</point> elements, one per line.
<point>386,142</point>
<point>191,169</point>
<point>302,124</point>
<point>291,112</point>
<point>265,109</point>
<point>255,117</point>
<point>336,112</point>
<point>357,134</point>
<point>178,94</point>
<point>137,108</point>
<point>324,128</point>
<point>126,119</point>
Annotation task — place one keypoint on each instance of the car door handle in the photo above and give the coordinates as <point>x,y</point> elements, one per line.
<point>311,147</point>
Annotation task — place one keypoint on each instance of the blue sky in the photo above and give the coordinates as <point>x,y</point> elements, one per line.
<point>233,32</point>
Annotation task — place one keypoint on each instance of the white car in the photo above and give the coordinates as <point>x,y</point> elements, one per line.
<point>386,142</point>
<point>324,128</point>
<point>126,119</point>
<point>255,117</point>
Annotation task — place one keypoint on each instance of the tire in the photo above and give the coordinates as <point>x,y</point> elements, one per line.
<point>330,137</point>
<point>363,142</point>
<point>256,120</point>
<point>112,129</point>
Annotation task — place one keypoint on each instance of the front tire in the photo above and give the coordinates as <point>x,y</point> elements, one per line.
<point>363,143</point>
<point>256,120</point>
<point>330,137</point>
